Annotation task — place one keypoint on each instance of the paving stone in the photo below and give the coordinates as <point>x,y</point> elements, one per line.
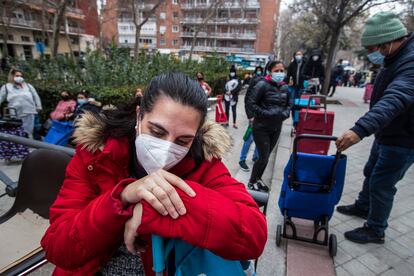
<point>373,263</point>
<point>398,247</point>
<point>355,267</point>
<point>342,272</point>
<point>341,257</point>
<point>404,268</point>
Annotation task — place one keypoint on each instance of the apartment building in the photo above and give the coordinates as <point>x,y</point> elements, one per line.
<point>26,27</point>
<point>223,26</point>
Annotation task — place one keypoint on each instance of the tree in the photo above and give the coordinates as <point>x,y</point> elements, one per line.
<point>139,21</point>
<point>59,7</point>
<point>7,8</point>
<point>335,15</point>
<point>208,15</point>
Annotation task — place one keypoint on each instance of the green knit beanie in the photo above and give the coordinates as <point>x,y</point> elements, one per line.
<point>381,28</point>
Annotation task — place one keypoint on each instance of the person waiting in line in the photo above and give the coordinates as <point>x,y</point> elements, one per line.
<point>248,136</point>
<point>150,169</point>
<point>295,73</point>
<point>65,107</point>
<point>391,119</point>
<point>84,104</point>
<point>138,92</point>
<point>336,77</point>
<point>270,106</point>
<point>314,70</point>
<point>21,97</point>
<point>231,95</point>
<point>206,88</point>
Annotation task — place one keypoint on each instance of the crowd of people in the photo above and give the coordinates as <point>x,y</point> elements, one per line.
<point>153,165</point>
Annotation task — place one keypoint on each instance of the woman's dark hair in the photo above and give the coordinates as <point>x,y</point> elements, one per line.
<point>200,73</point>
<point>272,64</point>
<point>84,93</point>
<point>179,87</point>
<point>258,68</point>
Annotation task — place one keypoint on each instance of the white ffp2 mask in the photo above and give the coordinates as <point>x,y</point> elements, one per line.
<point>154,153</point>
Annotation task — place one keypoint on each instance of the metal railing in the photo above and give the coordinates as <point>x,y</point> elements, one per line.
<point>225,5</point>
<point>221,21</point>
<point>237,36</point>
<point>219,49</point>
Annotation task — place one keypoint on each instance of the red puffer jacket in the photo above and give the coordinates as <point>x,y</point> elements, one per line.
<point>87,219</point>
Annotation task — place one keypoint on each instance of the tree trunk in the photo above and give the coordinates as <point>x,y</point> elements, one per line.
<point>193,42</point>
<point>57,22</point>
<point>68,40</point>
<point>137,36</point>
<point>5,38</point>
<point>332,46</point>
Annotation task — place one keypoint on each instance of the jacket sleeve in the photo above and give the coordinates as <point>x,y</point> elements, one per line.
<point>222,218</point>
<point>247,107</point>
<point>398,98</point>
<point>3,94</point>
<point>83,222</point>
<point>36,97</point>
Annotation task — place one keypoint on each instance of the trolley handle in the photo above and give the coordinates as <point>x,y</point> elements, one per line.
<point>324,106</point>
<point>332,176</point>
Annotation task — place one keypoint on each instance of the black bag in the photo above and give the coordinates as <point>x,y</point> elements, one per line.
<point>4,104</point>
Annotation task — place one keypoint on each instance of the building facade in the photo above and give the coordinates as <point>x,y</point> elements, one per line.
<point>27,26</point>
<point>223,26</point>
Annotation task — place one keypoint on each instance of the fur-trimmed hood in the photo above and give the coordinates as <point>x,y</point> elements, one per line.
<point>90,127</point>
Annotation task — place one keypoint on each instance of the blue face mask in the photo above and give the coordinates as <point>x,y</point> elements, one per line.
<point>376,57</point>
<point>82,101</point>
<point>298,58</point>
<point>278,77</point>
<point>259,73</point>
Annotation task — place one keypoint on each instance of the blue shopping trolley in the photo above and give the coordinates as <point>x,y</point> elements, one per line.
<point>59,133</point>
<point>178,258</point>
<point>311,188</point>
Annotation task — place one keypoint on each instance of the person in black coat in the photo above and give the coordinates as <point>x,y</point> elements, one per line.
<point>336,77</point>
<point>85,104</point>
<point>314,68</point>
<point>295,73</point>
<point>269,105</point>
<point>390,119</point>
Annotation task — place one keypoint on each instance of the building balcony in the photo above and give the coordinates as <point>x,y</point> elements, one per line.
<point>235,36</point>
<point>76,30</point>
<point>219,49</point>
<point>221,21</point>
<point>226,5</point>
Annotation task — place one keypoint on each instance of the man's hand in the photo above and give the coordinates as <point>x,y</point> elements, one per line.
<point>347,139</point>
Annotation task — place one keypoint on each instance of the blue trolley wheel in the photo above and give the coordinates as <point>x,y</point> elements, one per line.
<point>278,235</point>
<point>333,246</point>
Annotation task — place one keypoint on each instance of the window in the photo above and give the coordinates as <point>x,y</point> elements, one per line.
<point>175,2</point>
<point>162,42</point>
<point>175,15</point>
<point>175,42</point>
<point>163,15</point>
<point>74,40</point>
<point>27,52</point>
<point>175,29</point>
<point>162,29</point>
<point>11,37</point>
<point>126,41</point>
<point>25,38</point>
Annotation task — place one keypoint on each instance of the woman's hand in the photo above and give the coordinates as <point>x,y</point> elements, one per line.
<point>130,231</point>
<point>158,190</point>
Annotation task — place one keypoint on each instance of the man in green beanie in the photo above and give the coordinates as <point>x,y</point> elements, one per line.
<point>390,118</point>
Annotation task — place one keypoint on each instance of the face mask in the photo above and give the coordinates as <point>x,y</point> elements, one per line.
<point>232,74</point>
<point>82,101</point>
<point>200,78</point>
<point>376,57</point>
<point>298,58</point>
<point>315,58</point>
<point>18,80</point>
<point>259,73</point>
<point>278,77</point>
<point>154,153</point>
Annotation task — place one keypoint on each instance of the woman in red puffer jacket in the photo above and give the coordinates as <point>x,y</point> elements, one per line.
<point>152,169</point>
